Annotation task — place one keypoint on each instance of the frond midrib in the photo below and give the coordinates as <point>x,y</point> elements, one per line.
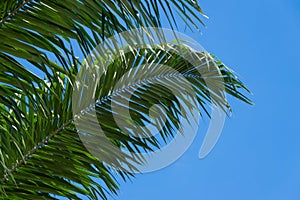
<point>13,13</point>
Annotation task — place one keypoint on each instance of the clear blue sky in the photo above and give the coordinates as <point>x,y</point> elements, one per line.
<point>258,154</point>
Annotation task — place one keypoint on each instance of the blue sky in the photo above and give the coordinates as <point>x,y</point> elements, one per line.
<point>258,154</point>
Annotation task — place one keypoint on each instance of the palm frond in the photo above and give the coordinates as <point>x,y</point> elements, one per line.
<point>41,151</point>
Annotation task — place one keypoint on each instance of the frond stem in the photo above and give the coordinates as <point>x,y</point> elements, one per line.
<point>32,151</point>
<point>13,12</point>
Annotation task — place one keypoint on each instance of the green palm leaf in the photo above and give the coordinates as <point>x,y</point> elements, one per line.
<point>42,155</point>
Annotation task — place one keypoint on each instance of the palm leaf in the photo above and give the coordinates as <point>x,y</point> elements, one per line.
<point>42,155</point>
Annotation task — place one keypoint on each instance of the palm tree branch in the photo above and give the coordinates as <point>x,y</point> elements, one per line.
<point>40,36</point>
<point>34,149</point>
<point>13,12</point>
<point>49,140</point>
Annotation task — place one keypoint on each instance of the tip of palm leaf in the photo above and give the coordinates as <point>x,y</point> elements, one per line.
<point>204,15</point>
